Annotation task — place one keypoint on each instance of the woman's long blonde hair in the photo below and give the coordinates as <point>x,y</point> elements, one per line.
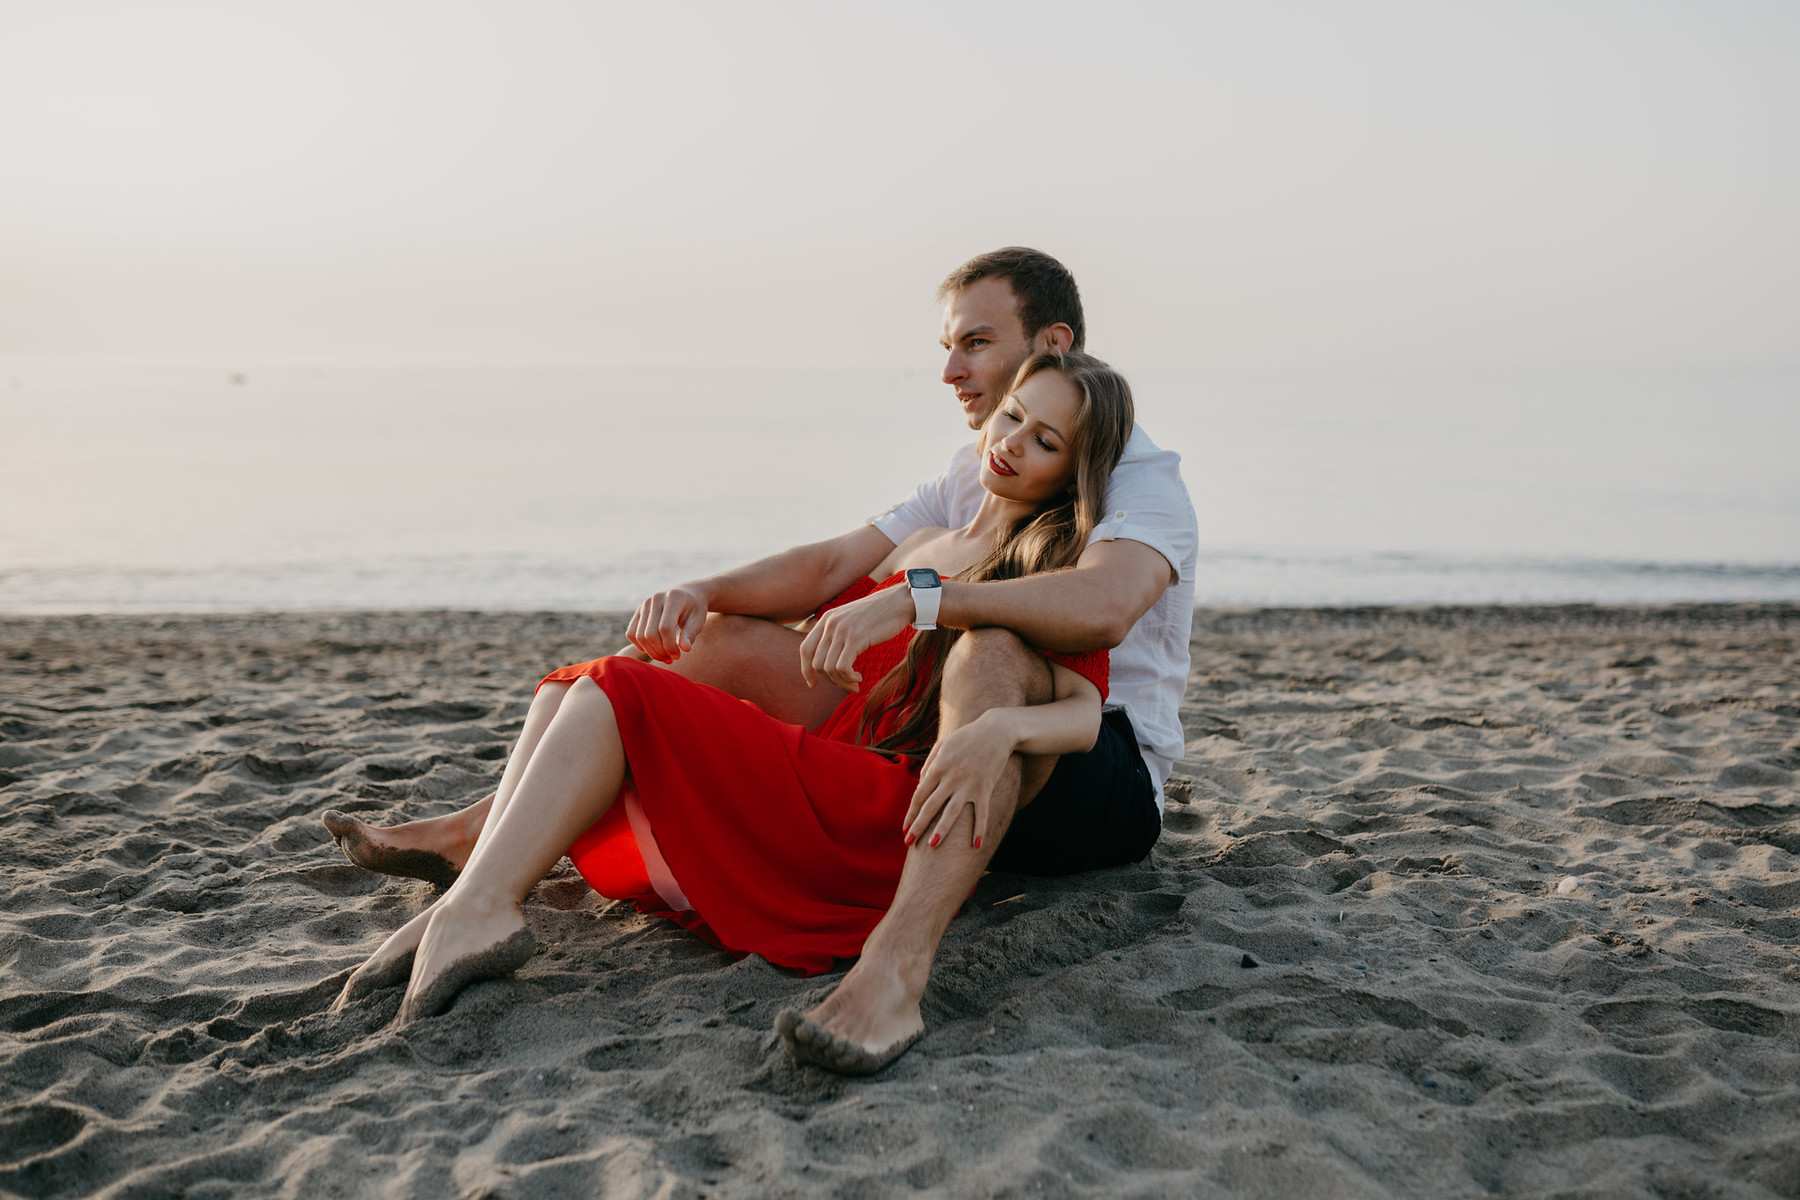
<point>1050,539</point>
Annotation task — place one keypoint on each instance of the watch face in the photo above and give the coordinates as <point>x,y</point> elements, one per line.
<point>922,577</point>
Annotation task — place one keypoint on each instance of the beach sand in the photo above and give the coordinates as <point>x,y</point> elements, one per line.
<point>1449,903</point>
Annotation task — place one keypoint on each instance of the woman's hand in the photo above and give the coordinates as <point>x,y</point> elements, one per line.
<point>962,770</point>
<point>830,649</point>
<point>664,626</point>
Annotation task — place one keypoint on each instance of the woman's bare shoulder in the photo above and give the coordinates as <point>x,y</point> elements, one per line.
<point>914,551</point>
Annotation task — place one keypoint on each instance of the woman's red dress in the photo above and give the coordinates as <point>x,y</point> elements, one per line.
<point>762,837</point>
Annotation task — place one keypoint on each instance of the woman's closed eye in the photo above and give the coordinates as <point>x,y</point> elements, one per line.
<point>1018,418</point>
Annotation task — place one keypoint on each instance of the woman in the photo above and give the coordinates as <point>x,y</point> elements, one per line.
<point>763,837</point>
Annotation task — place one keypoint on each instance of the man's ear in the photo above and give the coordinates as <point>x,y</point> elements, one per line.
<point>1057,336</point>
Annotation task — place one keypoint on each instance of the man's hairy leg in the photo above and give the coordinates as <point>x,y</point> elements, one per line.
<point>758,661</point>
<point>876,1005</point>
<point>749,657</point>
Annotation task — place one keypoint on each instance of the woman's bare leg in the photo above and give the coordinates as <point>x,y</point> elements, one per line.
<point>436,849</point>
<point>433,849</point>
<point>390,963</point>
<point>389,966</point>
<point>477,931</point>
<point>751,658</point>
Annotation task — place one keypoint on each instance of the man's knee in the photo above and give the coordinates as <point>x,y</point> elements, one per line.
<point>731,644</point>
<point>734,623</point>
<point>757,660</point>
<point>733,631</point>
<point>997,660</point>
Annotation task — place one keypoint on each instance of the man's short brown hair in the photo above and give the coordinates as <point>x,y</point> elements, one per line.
<point>1046,291</point>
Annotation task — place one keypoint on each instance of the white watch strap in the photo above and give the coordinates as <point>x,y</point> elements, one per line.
<point>925,606</point>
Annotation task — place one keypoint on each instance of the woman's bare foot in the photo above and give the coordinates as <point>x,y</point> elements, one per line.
<point>468,940</point>
<point>389,966</point>
<point>869,1020</point>
<point>434,850</point>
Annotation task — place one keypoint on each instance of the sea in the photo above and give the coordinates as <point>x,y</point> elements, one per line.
<point>233,487</point>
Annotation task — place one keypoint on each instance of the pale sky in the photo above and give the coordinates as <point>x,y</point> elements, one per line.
<point>1242,187</point>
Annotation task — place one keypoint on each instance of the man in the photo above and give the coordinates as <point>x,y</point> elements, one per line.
<point>976,806</point>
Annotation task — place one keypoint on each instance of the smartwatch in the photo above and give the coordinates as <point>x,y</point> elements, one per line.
<point>927,593</point>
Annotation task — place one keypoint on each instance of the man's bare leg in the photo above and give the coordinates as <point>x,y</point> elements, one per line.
<point>758,661</point>
<point>751,658</point>
<point>874,1011</point>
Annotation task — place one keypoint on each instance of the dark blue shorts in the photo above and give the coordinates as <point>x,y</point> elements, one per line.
<point>1096,810</point>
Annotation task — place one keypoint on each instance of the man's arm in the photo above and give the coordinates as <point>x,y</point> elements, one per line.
<point>792,584</point>
<point>782,587</point>
<point>1090,606</point>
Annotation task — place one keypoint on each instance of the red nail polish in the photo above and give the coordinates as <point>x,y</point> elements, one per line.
<point>934,841</point>
<point>978,841</point>
<point>910,839</point>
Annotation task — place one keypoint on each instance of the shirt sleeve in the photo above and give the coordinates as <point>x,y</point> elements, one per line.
<point>1147,502</point>
<point>927,508</point>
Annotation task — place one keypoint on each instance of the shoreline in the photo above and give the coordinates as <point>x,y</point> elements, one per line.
<point>1520,887</point>
<point>1206,616</point>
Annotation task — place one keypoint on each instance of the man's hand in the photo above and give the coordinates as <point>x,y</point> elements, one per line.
<point>962,769</point>
<point>664,626</point>
<point>830,650</point>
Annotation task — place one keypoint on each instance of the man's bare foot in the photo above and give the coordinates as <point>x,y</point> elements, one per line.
<point>434,850</point>
<point>467,941</point>
<point>389,966</point>
<point>868,1021</point>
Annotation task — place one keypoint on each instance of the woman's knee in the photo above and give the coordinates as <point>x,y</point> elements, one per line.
<point>548,698</point>
<point>587,702</point>
<point>584,688</point>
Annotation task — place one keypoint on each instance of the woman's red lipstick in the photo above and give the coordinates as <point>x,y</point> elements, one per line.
<point>998,467</point>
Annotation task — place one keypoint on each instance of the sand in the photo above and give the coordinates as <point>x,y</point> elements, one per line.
<point>1450,903</point>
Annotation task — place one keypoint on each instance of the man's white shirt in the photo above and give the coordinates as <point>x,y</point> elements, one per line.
<point>1145,502</point>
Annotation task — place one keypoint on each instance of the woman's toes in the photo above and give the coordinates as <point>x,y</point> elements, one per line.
<point>432,995</point>
<point>373,976</point>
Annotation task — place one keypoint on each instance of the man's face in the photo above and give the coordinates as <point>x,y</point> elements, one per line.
<point>987,346</point>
